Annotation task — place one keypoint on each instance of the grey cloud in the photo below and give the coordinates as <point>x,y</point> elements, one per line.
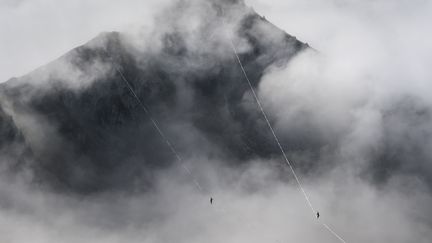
<point>78,110</point>
<point>94,169</point>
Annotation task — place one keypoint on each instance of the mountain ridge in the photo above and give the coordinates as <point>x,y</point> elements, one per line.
<point>89,131</point>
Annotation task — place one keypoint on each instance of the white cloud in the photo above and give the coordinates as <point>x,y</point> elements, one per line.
<point>276,212</point>
<point>370,53</point>
<point>35,32</point>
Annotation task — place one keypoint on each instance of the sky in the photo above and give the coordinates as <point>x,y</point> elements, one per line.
<point>365,94</point>
<point>35,32</point>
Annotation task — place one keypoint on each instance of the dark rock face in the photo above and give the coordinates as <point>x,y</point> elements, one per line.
<point>12,149</point>
<point>77,127</point>
<point>96,137</point>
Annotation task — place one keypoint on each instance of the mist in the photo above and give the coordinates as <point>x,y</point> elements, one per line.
<point>34,33</point>
<point>81,162</point>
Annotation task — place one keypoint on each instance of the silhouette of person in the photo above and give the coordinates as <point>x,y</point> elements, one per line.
<point>211,200</point>
<point>318,215</point>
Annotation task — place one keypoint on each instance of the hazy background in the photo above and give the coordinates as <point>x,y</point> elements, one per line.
<point>360,107</point>
<point>34,32</point>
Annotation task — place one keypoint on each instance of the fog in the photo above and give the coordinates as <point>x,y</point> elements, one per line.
<point>353,113</point>
<point>34,33</point>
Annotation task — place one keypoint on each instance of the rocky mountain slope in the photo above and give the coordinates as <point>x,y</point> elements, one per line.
<point>75,124</point>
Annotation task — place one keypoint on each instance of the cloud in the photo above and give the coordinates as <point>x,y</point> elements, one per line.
<point>36,32</point>
<point>366,75</point>
<point>354,117</point>
<point>360,105</point>
<point>274,211</point>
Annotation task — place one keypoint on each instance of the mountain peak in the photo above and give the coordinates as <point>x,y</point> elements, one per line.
<point>85,117</point>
